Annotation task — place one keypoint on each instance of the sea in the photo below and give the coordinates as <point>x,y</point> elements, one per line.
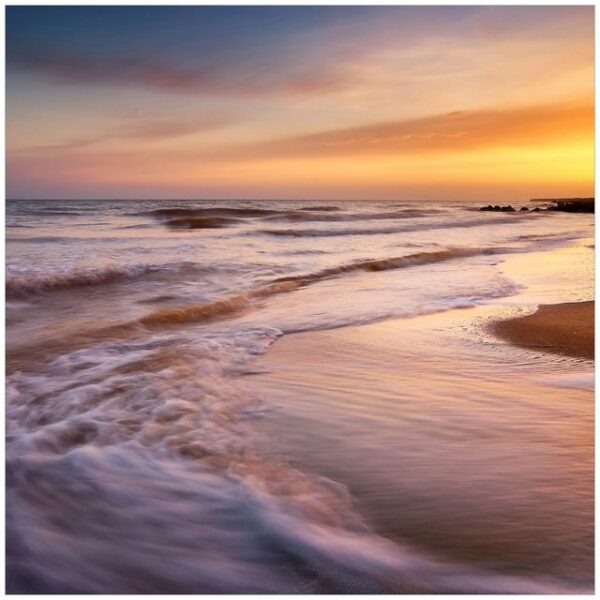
<point>157,444</point>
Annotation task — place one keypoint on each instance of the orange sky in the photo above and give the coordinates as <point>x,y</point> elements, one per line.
<point>483,103</point>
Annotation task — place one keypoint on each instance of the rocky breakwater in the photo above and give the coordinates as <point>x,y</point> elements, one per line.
<point>573,205</point>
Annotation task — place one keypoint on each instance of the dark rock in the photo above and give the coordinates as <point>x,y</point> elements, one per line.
<point>497,208</point>
<point>572,205</point>
<point>524,208</point>
<point>576,205</point>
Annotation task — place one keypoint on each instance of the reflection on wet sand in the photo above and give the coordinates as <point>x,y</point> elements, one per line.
<point>447,439</point>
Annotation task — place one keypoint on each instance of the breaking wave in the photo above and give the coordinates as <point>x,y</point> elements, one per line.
<point>218,308</point>
<point>239,302</point>
<point>399,262</point>
<point>222,216</point>
<point>201,222</point>
<point>21,285</point>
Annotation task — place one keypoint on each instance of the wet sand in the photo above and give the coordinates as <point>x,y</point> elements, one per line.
<point>560,328</point>
<point>450,444</point>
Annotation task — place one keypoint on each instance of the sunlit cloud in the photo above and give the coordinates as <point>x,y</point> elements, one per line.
<point>138,131</point>
<point>297,101</point>
<point>455,131</point>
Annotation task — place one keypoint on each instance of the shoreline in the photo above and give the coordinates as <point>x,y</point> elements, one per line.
<point>416,419</point>
<point>566,329</point>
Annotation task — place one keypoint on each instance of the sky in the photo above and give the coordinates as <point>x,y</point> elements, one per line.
<point>340,102</point>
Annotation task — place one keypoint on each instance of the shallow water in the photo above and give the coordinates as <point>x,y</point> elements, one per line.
<point>462,448</point>
<point>141,457</point>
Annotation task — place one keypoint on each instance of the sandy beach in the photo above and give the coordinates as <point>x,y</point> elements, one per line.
<point>566,328</point>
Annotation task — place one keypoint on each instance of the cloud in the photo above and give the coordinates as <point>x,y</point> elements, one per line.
<point>448,133</point>
<point>455,131</point>
<point>71,68</point>
<point>150,131</point>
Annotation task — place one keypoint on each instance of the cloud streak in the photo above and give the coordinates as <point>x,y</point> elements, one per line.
<point>455,131</point>
<point>143,131</point>
<point>65,67</point>
<point>268,98</point>
<point>449,133</point>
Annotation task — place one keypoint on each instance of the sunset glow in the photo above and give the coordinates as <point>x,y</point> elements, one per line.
<point>300,300</point>
<point>297,102</point>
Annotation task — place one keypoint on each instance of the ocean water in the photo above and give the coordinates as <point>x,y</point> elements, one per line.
<point>146,452</point>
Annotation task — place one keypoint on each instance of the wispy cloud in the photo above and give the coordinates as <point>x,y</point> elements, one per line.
<point>458,131</point>
<point>139,130</point>
<point>455,131</point>
<point>70,68</point>
<point>289,97</point>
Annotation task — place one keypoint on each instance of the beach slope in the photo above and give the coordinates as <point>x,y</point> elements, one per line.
<point>560,328</point>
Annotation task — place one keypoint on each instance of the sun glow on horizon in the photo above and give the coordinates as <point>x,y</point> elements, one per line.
<point>477,102</point>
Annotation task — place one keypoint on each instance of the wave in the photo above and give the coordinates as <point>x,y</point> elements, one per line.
<point>297,216</point>
<point>154,419</point>
<point>321,208</point>
<point>217,308</point>
<point>383,264</point>
<point>256,529</point>
<point>47,212</point>
<point>199,218</point>
<point>167,213</point>
<point>161,425</point>
<point>201,222</point>
<point>384,230</point>
<point>552,237</point>
<point>23,285</point>
<point>239,302</point>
